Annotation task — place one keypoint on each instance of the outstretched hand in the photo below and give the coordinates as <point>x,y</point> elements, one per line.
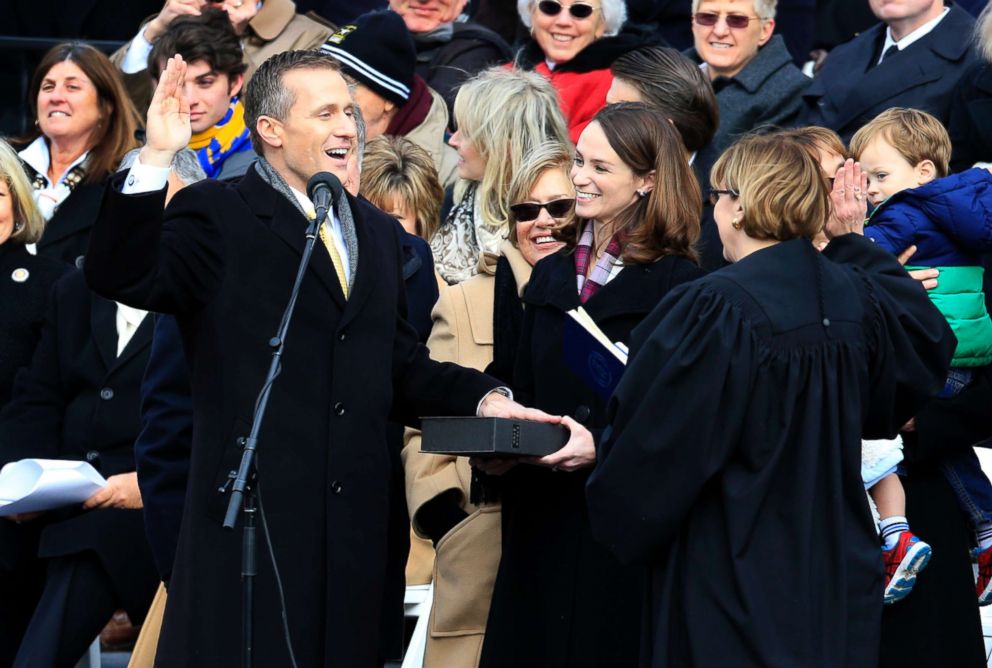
<point>578,453</point>
<point>167,129</point>
<point>848,201</point>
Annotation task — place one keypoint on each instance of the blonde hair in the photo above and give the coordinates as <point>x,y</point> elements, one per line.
<point>779,186</point>
<point>983,33</point>
<point>396,168</point>
<point>505,113</point>
<point>28,221</point>
<point>814,139</point>
<point>544,157</point>
<point>765,9</point>
<point>914,134</point>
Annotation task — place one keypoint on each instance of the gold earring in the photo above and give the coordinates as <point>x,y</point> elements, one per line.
<point>736,223</point>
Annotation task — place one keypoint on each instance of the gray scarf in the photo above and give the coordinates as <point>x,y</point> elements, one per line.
<point>343,209</point>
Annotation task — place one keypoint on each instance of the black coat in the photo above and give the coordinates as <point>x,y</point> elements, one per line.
<point>223,261</point>
<point>734,463</point>
<point>25,284</point>
<point>941,616</point>
<point>561,599</point>
<point>68,232</point>
<point>970,124</point>
<point>850,90</point>
<point>79,400</point>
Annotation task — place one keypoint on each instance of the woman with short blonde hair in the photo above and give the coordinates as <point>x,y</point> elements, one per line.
<point>28,223</point>
<point>399,177</point>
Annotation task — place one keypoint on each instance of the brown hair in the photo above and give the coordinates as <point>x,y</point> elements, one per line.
<point>548,155</point>
<point>395,167</point>
<point>814,139</point>
<point>914,134</point>
<point>677,87</point>
<point>779,184</point>
<point>666,221</point>
<point>115,135</point>
<point>209,37</point>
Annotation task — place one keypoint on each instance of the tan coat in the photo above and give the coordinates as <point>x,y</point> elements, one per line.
<point>276,28</point>
<point>429,135</point>
<point>467,556</point>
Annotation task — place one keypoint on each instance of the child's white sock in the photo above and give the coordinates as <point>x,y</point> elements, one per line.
<point>890,528</point>
<point>983,532</point>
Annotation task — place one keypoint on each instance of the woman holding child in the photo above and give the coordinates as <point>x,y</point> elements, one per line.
<point>748,504</point>
<point>561,599</point>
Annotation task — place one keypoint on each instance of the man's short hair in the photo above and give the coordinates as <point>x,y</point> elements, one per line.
<point>208,37</point>
<point>185,164</point>
<point>914,134</point>
<point>266,93</point>
<point>765,9</point>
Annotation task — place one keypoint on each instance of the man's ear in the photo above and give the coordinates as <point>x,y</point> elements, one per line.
<point>767,28</point>
<point>237,82</point>
<point>270,130</point>
<point>926,172</point>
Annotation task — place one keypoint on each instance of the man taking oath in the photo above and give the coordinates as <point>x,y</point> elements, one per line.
<point>223,258</point>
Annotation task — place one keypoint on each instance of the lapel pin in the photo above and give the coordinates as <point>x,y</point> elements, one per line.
<point>20,275</point>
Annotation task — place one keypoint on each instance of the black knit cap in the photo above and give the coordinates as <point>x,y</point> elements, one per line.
<point>377,51</point>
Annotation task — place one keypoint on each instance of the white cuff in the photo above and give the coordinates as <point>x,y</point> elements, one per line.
<point>145,178</point>
<point>505,391</point>
<point>136,58</point>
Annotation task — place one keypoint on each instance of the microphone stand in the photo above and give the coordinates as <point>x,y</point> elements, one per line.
<point>245,481</point>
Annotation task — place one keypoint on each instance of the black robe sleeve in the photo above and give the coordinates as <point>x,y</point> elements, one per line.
<point>665,442</point>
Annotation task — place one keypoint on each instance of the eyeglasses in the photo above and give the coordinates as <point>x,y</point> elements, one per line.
<point>715,194</point>
<point>578,10</point>
<point>735,21</point>
<point>528,211</point>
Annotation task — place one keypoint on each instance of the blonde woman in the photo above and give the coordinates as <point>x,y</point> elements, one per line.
<point>25,279</point>
<point>970,123</point>
<point>472,321</point>
<point>501,115</point>
<point>399,177</point>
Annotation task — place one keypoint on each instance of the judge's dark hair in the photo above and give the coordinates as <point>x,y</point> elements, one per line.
<point>666,220</point>
<point>209,37</point>
<point>114,134</point>
<point>266,93</point>
<point>677,87</point>
<point>780,186</point>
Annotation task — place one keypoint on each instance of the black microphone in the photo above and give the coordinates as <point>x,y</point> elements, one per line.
<point>323,189</point>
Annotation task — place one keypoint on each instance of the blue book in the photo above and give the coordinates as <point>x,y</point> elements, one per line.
<point>591,355</point>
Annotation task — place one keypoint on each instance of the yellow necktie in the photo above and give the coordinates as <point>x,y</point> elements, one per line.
<point>332,250</point>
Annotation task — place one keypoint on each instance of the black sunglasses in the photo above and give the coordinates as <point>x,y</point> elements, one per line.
<point>735,21</point>
<point>528,211</point>
<point>578,10</point>
<point>715,194</point>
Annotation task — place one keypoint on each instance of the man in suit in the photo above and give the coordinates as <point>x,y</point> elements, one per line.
<point>913,58</point>
<point>223,259</point>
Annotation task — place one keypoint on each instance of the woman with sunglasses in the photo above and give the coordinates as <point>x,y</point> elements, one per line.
<point>477,323</point>
<point>561,599</point>
<point>573,45</point>
<point>733,464</point>
<point>755,80</point>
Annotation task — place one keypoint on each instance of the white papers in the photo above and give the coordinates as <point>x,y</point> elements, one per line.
<point>32,485</point>
<point>585,321</point>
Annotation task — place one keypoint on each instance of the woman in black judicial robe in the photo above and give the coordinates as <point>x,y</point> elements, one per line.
<point>733,466</point>
<point>560,600</point>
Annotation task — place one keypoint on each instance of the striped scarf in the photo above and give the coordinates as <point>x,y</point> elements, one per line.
<point>601,272</point>
<point>214,145</point>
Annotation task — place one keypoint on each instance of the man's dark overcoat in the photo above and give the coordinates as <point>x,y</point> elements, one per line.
<point>851,89</point>
<point>223,259</point>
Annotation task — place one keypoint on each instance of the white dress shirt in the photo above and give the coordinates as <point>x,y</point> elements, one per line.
<point>128,320</point>
<point>48,199</point>
<point>917,34</point>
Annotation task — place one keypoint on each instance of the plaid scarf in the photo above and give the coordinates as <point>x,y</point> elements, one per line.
<point>216,144</point>
<point>601,272</point>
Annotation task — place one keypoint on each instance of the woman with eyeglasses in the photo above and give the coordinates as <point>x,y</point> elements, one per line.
<point>733,464</point>
<point>755,80</point>
<point>477,323</point>
<point>573,43</point>
<point>561,599</point>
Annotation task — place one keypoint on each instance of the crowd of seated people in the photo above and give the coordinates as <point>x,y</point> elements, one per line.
<point>744,230</point>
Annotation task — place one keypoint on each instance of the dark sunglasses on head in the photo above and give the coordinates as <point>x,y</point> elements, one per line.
<point>715,194</point>
<point>528,211</point>
<point>736,21</point>
<point>578,10</point>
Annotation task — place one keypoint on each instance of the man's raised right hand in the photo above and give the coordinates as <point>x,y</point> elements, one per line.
<point>167,129</point>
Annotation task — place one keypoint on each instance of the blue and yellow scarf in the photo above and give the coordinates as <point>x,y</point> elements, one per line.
<point>215,145</point>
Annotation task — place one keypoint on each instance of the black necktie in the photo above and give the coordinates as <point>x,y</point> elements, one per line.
<point>888,53</point>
